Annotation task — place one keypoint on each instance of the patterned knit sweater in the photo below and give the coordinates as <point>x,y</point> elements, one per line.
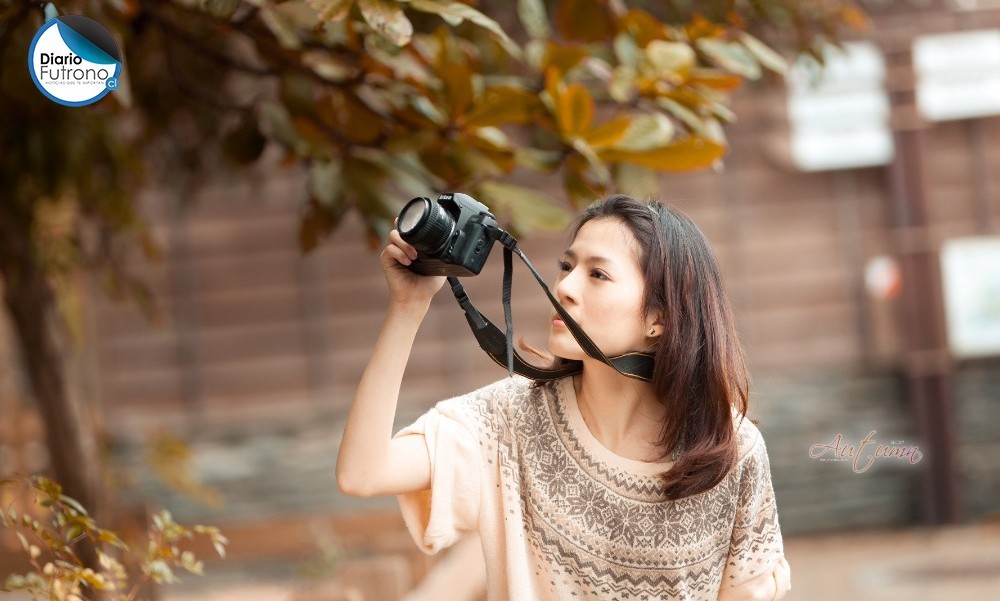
<point>562,517</point>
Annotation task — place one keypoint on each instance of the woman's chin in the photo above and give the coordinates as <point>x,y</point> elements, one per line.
<point>560,348</point>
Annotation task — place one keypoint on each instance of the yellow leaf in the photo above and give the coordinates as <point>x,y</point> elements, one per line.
<point>563,58</point>
<point>643,26</point>
<point>575,110</point>
<point>583,20</point>
<point>855,17</point>
<point>457,81</point>
<point>500,105</point>
<point>607,134</point>
<point>714,79</point>
<point>685,155</point>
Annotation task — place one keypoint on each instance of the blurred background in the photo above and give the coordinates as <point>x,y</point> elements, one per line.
<point>856,216</point>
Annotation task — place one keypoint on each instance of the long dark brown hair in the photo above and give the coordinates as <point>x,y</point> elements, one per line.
<point>700,373</point>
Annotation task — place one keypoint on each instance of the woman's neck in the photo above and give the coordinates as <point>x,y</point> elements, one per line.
<point>622,413</point>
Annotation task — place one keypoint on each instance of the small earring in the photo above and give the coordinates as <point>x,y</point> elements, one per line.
<point>652,331</point>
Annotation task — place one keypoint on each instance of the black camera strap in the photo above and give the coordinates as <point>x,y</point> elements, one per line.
<point>499,345</point>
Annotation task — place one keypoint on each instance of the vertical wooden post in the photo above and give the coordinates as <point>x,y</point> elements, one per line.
<point>927,364</point>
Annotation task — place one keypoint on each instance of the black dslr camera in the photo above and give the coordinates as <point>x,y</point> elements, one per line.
<point>453,234</point>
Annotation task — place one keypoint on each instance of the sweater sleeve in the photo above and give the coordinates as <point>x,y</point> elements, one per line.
<point>453,432</point>
<point>756,569</point>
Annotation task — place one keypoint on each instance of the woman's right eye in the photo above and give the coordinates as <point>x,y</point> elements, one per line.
<point>563,265</point>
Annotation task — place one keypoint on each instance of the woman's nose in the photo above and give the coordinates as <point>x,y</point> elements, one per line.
<point>566,288</point>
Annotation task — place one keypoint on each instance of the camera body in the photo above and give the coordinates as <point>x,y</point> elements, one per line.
<point>452,234</point>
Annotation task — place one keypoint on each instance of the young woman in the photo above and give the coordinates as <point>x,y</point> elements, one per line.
<point>597,485</point>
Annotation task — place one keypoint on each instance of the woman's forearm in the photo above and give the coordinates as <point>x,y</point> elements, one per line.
<point>364,450</point>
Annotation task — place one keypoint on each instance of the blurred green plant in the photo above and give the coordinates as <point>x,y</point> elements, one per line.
<point>171,459</point>
<point>328,557</point>
<point>50,543</point>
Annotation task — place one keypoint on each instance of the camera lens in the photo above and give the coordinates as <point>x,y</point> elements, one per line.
<point>425,225</point>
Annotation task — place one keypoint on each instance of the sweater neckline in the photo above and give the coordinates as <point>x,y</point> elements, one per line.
<point>580,429</point>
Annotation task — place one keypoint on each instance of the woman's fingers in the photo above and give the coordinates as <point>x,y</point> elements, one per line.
<point>394,238</point>
<point>399,254</point>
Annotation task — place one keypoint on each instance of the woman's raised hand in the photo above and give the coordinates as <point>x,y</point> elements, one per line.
<point>405,286</point>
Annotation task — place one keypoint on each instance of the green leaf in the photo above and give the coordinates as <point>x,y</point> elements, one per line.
<point>646,132</point>
<point>767,57</point>
<point>636,181</point>
<point>455,12</point>
<point>51,488</point>
<point>72,532</point>
<point>622,85</point>
<point>524,208</point>
<point>96,581</point>
<point>545,161</point>
<point>731,55</point>
<point>683,113</point>
<point>219,542</point>
<point>280,127</point>
<point>668,58</point>
<point>626,50</point>
<point>220,8</point>
<point>597,166</point>
<point>325,182</point>
<point>331,10</point>
<point>160,572</point>
<point>327,67</point>
<point>387,18</point>
<point>425,107</point>
<point>281,25</point>
<point>533,17</point>
<point>106,536</point>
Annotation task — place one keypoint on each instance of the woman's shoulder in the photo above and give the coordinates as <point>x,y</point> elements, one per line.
<point>750,440</point>
<point>503,391</point>
<point>500,398</point>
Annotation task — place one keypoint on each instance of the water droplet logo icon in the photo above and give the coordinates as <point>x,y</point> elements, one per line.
<point>74,60</point>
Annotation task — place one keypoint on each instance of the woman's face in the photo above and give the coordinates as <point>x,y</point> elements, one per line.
<point>601,286</point>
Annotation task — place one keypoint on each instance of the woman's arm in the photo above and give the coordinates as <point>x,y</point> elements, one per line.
<point>370,461</point>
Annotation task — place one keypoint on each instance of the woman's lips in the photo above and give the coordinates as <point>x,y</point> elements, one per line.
<point>558,322</point>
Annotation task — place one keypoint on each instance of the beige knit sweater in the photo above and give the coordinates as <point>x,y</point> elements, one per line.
<point>562,517</point>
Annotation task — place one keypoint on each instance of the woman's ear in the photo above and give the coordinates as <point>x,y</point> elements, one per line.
<point>654,326</point>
